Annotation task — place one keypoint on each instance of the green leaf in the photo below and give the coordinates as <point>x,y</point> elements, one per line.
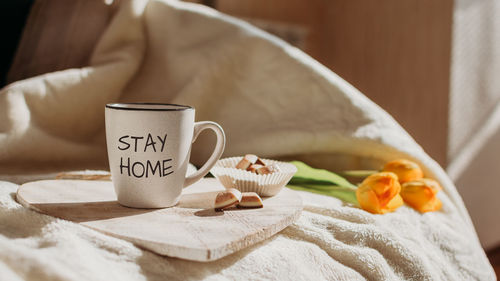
<point>309,175</point>
<point>322,182</point>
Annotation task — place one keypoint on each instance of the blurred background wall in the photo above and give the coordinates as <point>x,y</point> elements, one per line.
<point>395,52</point>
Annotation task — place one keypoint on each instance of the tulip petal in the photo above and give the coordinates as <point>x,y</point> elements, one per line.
<point>379,193</point>
<point>433,205</point>
<point>421,195</point>
<point>405,170</point>
<point>395,203</point>
<point>386,186</point>
<point>392,193</point>
<point>368,200</point>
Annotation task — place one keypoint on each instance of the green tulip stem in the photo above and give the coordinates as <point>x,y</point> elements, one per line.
<point>358,173</point>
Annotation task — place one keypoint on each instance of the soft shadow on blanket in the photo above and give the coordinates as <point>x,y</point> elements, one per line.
<point>18,219</point>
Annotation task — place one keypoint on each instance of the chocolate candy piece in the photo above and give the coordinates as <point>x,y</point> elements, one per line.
<point>253,168</point>
<point>248,160</point>
<point>267,169</point>
<point>250,200</point>
<point>227,199</point>
<point>260,162</point>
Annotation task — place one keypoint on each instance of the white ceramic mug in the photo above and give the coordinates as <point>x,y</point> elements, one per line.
<point>149,146</point>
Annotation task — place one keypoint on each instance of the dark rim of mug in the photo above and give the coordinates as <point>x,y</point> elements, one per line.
<point>180,107</point>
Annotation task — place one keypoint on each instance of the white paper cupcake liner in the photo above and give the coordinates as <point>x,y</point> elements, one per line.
<point>245,181</point>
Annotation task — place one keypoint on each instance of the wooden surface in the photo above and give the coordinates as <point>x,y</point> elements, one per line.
<point>191,230</point>
<point>395,52</point>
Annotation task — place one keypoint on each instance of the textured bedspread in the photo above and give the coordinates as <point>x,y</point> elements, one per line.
<point>329,242</point>
<point>272,100</point>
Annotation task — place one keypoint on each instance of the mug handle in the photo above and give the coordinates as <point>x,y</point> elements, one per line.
<point>219,148</point>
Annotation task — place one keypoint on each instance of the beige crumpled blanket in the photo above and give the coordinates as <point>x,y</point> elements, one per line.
<point>271,99</point>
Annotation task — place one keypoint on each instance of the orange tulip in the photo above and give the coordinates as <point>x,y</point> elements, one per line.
<point>405,170</point>
<point>379,193</point>
<point>421,195</point>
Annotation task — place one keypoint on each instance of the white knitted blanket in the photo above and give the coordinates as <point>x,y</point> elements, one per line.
<point>271,99</point>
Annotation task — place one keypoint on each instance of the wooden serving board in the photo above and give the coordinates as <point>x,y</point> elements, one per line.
<point>191,230</point>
